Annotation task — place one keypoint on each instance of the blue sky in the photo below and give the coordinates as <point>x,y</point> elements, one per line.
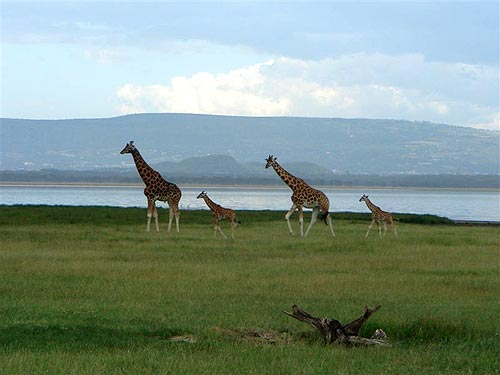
<point>425,61</point>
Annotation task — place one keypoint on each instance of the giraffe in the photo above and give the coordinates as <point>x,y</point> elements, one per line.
<point>303,196</point>
<point>378,215</point>
<point>157,189</point>
<point>220,213</point>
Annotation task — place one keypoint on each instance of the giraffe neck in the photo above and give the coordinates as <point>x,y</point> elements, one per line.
<point>210,203</point>
<point>286,176</point>
<point>145,171</point>
<point>371,206</point>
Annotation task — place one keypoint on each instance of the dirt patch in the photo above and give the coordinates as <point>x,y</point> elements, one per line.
<point>257,335</point>
<point>190,339</point>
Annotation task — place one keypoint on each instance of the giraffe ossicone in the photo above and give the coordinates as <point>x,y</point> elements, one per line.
<point>220,213</point>
<point>303,196</point>
<point>157,189</point>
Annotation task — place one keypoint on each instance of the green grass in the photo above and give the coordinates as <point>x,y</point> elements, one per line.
<point>86,290</point>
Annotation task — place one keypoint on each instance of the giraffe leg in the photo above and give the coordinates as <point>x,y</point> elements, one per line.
<point>392,225</point>
<point>233,227</point>
<point>170,217</point>
<point>177,214</point>
<point>385,228</point>
<point>222,233</point>
<point>330,224</point>
<point>287,218</point>
<point>314,219</point>
<point>151,206</point>
<point>155,215</point>
<point>301,221</point>
<point>394,229</point>
<point>218,228</point>
<point>370,227</point>
<point>379,229</point>
<point>216,224</point>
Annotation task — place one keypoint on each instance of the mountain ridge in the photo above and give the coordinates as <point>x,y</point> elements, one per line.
<point>341,145</point>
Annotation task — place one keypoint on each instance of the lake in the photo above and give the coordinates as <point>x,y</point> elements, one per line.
<point>481,205</point>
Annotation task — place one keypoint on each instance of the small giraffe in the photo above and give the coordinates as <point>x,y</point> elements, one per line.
<point>220,213</point>
<point>157,189</point>
<point>378,215</point>
<point>303,196</point>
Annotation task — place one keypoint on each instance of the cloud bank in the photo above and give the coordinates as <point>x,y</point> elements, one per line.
<point>357,85</point>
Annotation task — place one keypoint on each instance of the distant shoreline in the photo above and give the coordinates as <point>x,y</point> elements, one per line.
<point>232,186</point>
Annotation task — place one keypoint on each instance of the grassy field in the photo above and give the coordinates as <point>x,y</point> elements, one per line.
<point>86,290</point>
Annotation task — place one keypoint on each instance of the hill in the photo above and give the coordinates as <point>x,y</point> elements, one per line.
<point>225,170</point>
<point>342,145</point>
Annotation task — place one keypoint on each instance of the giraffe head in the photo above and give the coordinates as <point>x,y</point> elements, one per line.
<point>128,148</point>
<point>202,195</point>
<point>270,161</point>
<point>363,198</point>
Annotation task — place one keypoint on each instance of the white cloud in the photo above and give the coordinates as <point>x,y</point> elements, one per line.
<point>372,86</point>
<point>237,92</point>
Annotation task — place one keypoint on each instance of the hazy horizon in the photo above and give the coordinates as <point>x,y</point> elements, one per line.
<point>236,116</point>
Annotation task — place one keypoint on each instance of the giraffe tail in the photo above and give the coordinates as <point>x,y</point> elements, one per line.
<point>324,217</point>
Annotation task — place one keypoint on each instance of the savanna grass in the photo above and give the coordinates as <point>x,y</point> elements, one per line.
<point>86,290</point>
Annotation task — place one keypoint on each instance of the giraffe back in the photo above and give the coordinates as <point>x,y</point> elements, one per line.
<point>310,197</point>
<point>224,213</point>
<point>164,191</point>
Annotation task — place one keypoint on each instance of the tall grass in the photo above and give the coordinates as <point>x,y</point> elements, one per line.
<point>87,290</point>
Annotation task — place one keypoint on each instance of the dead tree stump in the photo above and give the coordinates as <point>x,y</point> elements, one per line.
<point>333,331</point>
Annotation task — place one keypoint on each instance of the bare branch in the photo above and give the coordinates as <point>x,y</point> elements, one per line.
<point>333,331</point>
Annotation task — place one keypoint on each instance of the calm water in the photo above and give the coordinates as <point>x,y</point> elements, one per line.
<point>454,204</point>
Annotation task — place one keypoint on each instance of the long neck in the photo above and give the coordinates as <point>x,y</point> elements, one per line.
<point>286,176</point>
<point>210,203</point>
<point>145,171</point>
<point>371,206</point>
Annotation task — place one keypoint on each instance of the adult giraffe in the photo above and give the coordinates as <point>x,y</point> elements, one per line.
<point>378,215</point>
<point>157,189</point>
<point>303,196</point>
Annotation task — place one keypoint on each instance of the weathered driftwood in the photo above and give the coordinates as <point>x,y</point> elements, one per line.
<point>333,331</point>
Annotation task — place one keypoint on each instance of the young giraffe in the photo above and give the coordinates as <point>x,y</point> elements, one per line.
<point>157,189</point>
<point>378,215</point>
<point>303,196</point>
<point>220,213</point>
